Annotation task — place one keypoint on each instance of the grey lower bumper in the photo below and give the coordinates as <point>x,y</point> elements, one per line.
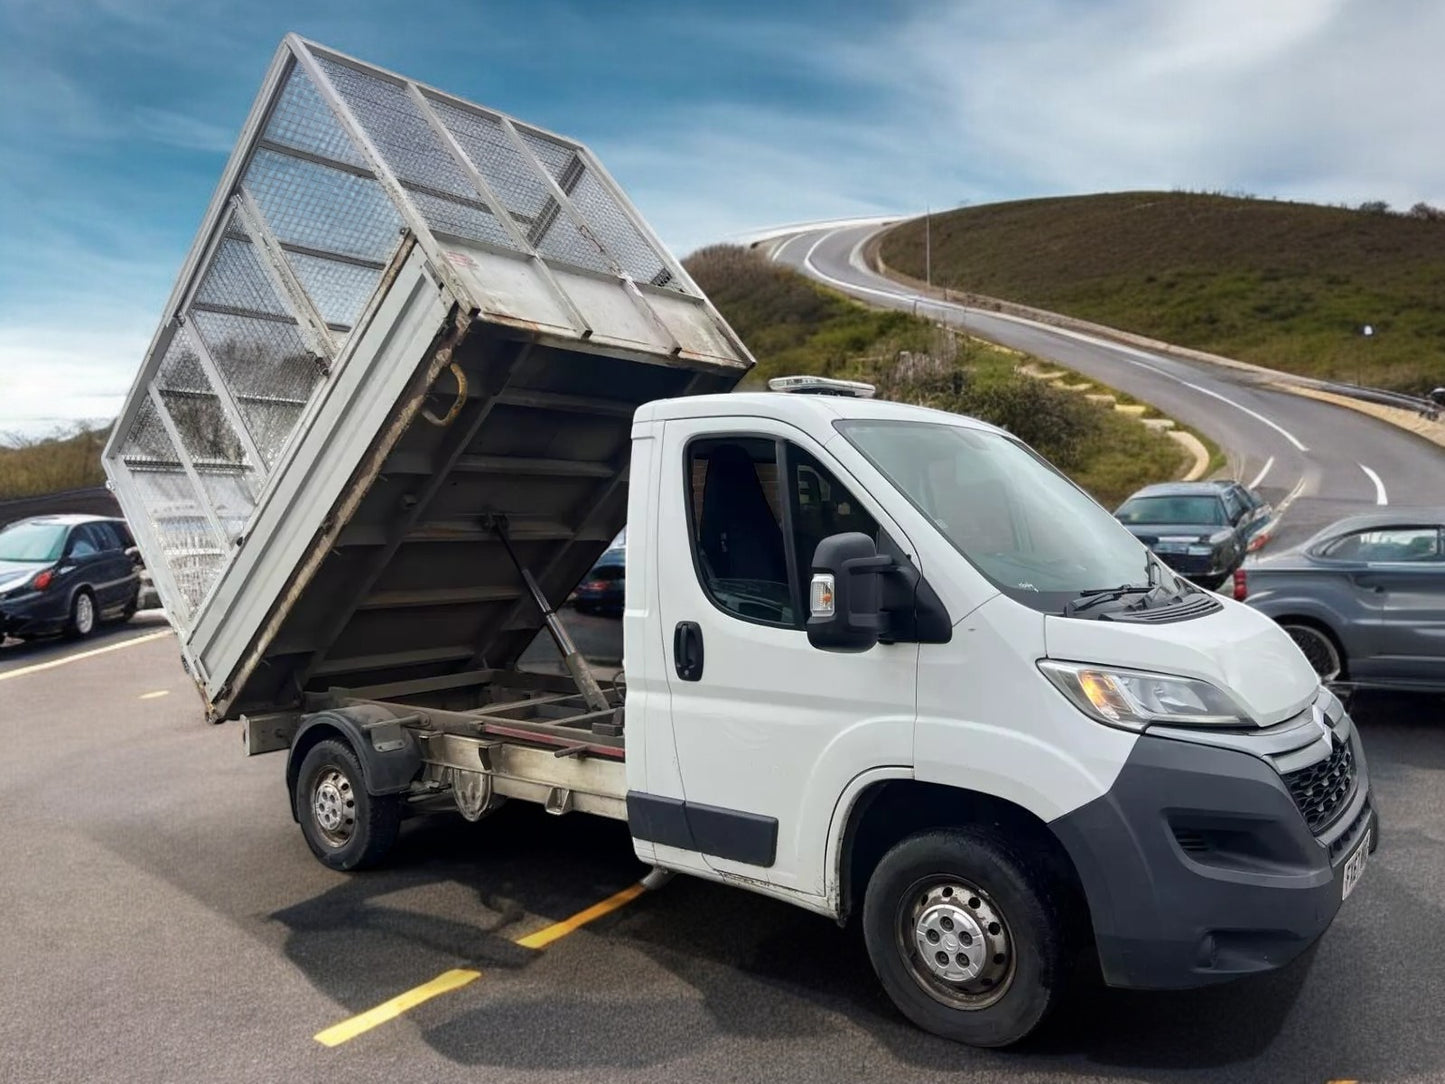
<point>1198,866</point>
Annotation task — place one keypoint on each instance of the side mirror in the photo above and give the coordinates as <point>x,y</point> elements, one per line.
<point>133,552</point>
<point>1438,396</point>
<point>845,597</point>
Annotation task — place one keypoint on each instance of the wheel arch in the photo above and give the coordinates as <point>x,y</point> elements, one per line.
<point>387,751</point>
<point>886,811</point>
<point>1320,624</point>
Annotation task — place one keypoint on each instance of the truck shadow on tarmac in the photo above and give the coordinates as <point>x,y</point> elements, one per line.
<point>750,968</point>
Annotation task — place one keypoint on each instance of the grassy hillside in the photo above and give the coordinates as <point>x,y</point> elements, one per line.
<point>793,326</point>
<point>1288,285</point>
<point>29,468</point>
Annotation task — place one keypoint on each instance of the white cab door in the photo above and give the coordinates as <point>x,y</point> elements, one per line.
<point>769,730</point>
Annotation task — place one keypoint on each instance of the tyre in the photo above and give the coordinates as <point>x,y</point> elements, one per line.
<point>345,827</point>
<point>1320,648</point>
<point>81,622</point>
<point>965,937</point>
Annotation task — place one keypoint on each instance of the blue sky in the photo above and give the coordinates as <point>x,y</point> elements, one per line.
<point>116,117</point>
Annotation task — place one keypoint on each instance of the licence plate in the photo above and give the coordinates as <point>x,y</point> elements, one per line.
<point>1355,865</point>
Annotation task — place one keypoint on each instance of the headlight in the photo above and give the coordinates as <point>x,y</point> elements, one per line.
<point>1134,699</point>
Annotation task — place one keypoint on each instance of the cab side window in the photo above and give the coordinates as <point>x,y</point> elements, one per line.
<point>820,507</point>
<point>737,528</point>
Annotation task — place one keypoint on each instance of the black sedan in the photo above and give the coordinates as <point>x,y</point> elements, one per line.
<point>603,589</point>
<point>1202,530</point>
<point>65,574</point>
<point>1364,599</point>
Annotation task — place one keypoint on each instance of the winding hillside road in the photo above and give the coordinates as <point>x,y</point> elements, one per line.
<point>1316,461</point>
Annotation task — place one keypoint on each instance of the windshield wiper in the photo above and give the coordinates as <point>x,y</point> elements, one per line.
<point>1095,595</point>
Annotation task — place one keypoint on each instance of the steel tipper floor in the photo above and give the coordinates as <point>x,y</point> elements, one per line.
<point>165,921</point>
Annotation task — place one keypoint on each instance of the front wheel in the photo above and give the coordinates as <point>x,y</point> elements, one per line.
<point>345,827</point>
<point>965,937</point>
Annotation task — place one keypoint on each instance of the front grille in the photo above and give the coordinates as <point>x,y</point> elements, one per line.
<point>1321,790</point>
<point>1191,841</point>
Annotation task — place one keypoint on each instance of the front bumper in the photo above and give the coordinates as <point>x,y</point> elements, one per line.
<point>1199,867</point>
<point>33,615</point>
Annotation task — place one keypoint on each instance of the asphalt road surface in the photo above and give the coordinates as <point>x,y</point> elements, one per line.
<point>1320,461</point>
<point>163,920</point>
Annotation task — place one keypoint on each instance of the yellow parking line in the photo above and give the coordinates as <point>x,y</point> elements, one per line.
<point>455,979</point>
<point>548,934</point>
<point>390,1010</point>
<point>155,695</point>
<point>8,674</point>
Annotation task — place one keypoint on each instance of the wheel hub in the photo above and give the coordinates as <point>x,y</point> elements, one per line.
<point>961,951</point>
<point>334,806</point>
<point>84,613</point>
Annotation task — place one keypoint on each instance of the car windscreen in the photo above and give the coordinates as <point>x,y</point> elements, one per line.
<point>1165,511</point>
<point>32,542</point>
<point>1032,532</point>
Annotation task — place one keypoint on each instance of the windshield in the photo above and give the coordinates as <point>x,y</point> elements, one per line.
<point>38,542</point>
<point>1032,532</point>
<point>1166,511</point>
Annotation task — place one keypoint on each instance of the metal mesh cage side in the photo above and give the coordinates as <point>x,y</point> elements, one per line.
<point>435,182</point>
<point>193,553</point>
<point>318,207</point>
<point>177,519</point>
<point>619,235</point>
<point>338,289</point>
<point>515,181</point>
<point>268,370</point>
<point>302,119</point>
<point>235,278</point>
<point>205,429</point>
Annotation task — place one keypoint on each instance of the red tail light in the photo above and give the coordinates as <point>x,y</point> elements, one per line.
<point>42,579</point>
<point>1241,585</point>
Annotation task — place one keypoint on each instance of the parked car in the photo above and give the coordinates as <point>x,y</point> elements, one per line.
<point>1364,599</point>
<point>66,574</point>
<point>1199,529</point>
<point>601,590</point>
<point>1257,510</point>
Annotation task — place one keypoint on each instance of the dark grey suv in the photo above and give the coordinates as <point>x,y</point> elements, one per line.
<point>65,574</point>
<point>1364,599</point>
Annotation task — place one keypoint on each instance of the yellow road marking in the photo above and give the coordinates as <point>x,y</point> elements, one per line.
<point>390,1010</point>
<point>154,695</point>
<point>453,980</point>
<point>548,934</point>
<point>53,663</point>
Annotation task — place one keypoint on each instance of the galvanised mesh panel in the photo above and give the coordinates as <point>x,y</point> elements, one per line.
<point>415,153</point>
<point>148,444</point>
<point>494,156</point>
<point>268,370</point>
<point>302,119</point>
<point>556,157</point>
<point>236,278</point>
<point>339,290</point>
<point>517,184</point>
<point>617,233</point>
<point>194,554</point>
<point>323,208</point>
<point>204,427</point>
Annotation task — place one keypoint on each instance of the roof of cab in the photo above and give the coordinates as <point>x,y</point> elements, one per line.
<point>799,407</point>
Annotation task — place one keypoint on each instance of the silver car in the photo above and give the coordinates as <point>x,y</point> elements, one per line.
<point>1364,598</point>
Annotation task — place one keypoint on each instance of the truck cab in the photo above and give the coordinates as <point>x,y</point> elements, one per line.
<point>869,643</point>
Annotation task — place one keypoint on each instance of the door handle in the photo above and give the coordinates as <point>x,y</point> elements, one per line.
<point>687,650</point>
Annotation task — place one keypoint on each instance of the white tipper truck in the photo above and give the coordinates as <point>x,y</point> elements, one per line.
<point>422,364</point>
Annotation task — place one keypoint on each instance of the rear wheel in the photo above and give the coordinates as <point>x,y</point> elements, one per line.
<point>81,622</point>
<point>1319,647</point>
<point>346,827</point>
<point>965,936</point>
